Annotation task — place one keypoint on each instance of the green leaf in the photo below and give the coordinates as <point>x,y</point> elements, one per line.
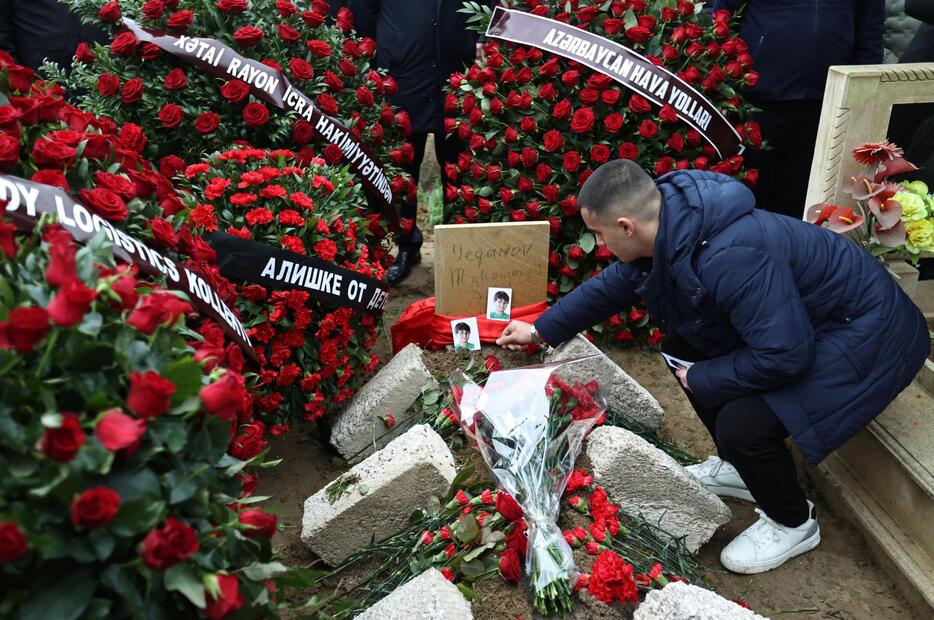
<point>478,551</point>
<point>261,572</point>
<point>466,590</point>
<point>102,542</point>
<point>94,355</point>
<point>135,484</point>
<point>62,597</point>
<point>182,487</point>
<point>137,517</point>
<point>629,18</point>
<point>184,578</point>
<point>91,325</point>
<point>186,375</point>
<point>472,569</point>
<point>587,242</point>
<point>432,397</point>
<point>467,529</point>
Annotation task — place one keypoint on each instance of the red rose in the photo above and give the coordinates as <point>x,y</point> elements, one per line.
<point>175,80</point>
<point>153,9</point>
<point>116,430</point>
<point>612,25</point>
<point>71,303</point>
<point>235,90</point>
<point>207,123</point>
<point>120,185</point>
<point>108,84</point>
<point>95,507</point>
<point>655,337</point>
<point>234,7</point>
<point>84,54</point>
<point>600,153</point>
<point>288,33</point>
<point>170,165</point>
<point>9,151</point>
<point>365,97</point>
<point>638,34</point>
<point>63,443</point>
<point>344,19</point>
<point>24,328</point>
<point>51,154</point>
<point>52,177</point>
<point>258,523</point>
<point>255,114</point>
<point>312,19</point>
<point>572,161</point>
<point>157,309</point>
<point>509,566</point>
<point>229,597</point>
<point>163,233</point>
<point>248,36</point>
<point>224,397</point>
<point>124,45</point>
<point>150,394</point>
<point>507,506</point>
<point>648,129</point>
<point>180,20</point>
<point>639,105</point>
<point>105,203</point>
<point>300,69</point>
<point>132,91</point>
<point>628,150</point>
<point>171,115</point>
<point>562,109</point>
<point>169,545</point>
<point>132,137</point>
<point>583,120</point>
<point>249,442</point>
<point>576,252</point>
<point>319,48</point>
<point>110,12</point>
<point>553,141</point>
<point>61,267</point>
<point>8,237</point>
<point>751,79</point>
<point>13,544</point>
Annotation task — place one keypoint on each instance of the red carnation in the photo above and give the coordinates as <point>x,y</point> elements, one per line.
<point>611,579</point>
<point>174,542</point>
<point>63,443</point>
<point>24,328</point>
<point>13,543</point>
<point>150,394</point>
<point>94,508</point>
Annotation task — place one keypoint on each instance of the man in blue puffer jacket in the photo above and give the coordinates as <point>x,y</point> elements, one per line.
<point>792,44</point>
<point>792,330</point>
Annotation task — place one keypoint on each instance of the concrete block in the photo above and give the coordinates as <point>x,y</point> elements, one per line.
<point>393,390</point>
<point>680,601</point>
<point>645,481</point>
<point>624,394</point>
<point>379,494</point>
<point>427,597</point>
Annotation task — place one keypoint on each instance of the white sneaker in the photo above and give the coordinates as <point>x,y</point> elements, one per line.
<point>765,544</point>
<point>721,478</point>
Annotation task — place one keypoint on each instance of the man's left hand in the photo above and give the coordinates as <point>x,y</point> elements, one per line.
<point>682,374</point>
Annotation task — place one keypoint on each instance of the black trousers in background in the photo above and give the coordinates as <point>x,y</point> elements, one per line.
<point>790,127</point>
<point>446,151</point>
<point>749,436</point>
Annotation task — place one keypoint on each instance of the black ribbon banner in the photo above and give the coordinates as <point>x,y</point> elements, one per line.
<point>26,201</point>
<point>270,85</point>
<point>627,67</point>
<point>245,259</point>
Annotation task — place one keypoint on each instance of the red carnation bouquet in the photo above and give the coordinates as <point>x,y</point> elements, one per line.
<point>529,424</point>
<point>537,125</point>
<point>182,108</point>
<point>317,354</point>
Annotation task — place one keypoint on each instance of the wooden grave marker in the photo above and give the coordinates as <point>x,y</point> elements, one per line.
<point>473,257</point>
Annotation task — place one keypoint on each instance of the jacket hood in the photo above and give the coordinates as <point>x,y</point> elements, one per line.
<point>696,205</point>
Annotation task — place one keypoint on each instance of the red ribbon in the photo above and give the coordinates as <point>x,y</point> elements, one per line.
<point>420,324</point>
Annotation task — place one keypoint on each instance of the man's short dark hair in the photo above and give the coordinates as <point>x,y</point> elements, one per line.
<point>462,327</point>
<point>620,187</point>
<point>501,295</point>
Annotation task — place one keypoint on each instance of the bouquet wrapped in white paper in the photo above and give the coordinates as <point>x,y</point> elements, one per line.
<point>529,424</point>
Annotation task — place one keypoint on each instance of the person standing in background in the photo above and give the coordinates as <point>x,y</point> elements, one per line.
<point>421,43</point>
<point>792,45</point>
<point>33,31</point>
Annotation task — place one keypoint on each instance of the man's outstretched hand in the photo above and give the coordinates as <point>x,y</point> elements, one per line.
<point>516,336</point>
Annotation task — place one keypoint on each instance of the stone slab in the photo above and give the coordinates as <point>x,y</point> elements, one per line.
<point>646,481</point>
<point>474,257</point>
<point>624,394</point>
<point>380,494</point>
<point>427,597</point>
<point>681,601</point>
<point>391,391</point>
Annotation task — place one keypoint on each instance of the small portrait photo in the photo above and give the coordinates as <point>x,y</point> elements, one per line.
<point>466,334</point>
<point>498,303</point>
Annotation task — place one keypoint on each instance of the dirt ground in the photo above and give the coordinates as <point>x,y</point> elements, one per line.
<point>838,580</point>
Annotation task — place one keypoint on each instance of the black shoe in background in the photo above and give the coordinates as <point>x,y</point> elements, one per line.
<point>409,255</point>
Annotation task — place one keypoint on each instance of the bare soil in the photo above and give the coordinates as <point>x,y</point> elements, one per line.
<point>838,580</point>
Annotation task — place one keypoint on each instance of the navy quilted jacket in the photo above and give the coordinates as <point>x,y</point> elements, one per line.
<point>785,309</point>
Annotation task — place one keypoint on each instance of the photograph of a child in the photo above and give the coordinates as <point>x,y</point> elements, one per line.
<point>498,303</point>
<point>466,334</point>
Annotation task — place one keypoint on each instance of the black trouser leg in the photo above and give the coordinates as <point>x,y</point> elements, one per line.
<point>790,127</point>
<point>750,437</point>
<point>409,208</point>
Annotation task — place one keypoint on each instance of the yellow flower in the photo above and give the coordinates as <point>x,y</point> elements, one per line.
<point>913,206</point>
<point>920,236</point>
<point>916,187</point>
